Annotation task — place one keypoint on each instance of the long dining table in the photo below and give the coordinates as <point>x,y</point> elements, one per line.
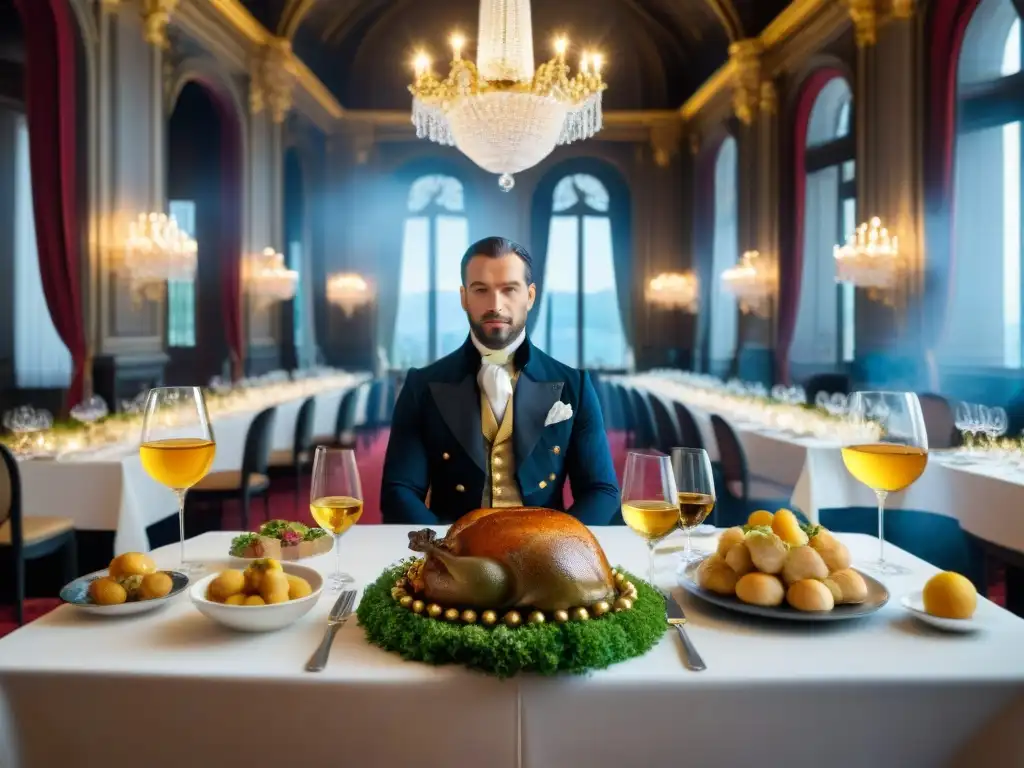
<point>171,688</point>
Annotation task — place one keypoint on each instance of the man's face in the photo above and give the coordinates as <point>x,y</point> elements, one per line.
<point>496,298</point>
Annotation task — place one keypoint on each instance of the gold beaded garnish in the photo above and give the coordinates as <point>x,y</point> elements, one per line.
<point>626,595</point>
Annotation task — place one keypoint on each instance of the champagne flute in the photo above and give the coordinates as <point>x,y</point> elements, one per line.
<point>177,447</point>
<point>650,504</point>
<point>890,454</point>
<point>695,488</point>
<point>336,500</point>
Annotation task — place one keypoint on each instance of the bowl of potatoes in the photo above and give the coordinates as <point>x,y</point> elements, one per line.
<point>777,568</point>
<point>131,584</point>
<point>267,595</point>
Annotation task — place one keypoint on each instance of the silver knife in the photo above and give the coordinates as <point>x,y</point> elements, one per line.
<point>335,620</point>
<point>677,619</point>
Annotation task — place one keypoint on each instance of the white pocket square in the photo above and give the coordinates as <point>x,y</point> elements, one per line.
<point>559,412</point>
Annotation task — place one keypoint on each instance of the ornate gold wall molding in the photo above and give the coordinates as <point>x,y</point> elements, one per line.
<point>769,98</point>
<point>903,9</point>
<point>156,15</point>
<point>273,77</point>
<point>745,56</point>
<point>864,14</point>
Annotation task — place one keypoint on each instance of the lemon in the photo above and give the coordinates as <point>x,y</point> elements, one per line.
<point>760,517</point>
<point>949,595</point>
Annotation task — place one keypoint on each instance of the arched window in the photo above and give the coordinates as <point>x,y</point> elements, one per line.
<point>824,334</point>
<point>725,250</point>
<point>983,325</point>
<point>430,322</point>
<point>579,322</point>
<point>181,294</point>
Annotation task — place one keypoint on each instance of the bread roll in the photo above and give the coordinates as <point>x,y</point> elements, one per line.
<point>760,589</point>
<point>715,575</point>
<point>832,551</point>
<point>729,539</point>
<point>837,593</point>
<point>739,560</point>
<point>767,551</point>
<point>851,584</point>
<point>787,527</point>
<point>810,595</point>
<point>803,563</point>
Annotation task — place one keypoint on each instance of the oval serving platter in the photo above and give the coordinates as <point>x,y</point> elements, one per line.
<point>878,596</point>
<point>76,593</point>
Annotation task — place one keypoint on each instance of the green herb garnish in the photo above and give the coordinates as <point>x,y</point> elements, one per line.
<point>312,534</point>
<point>240,543</point>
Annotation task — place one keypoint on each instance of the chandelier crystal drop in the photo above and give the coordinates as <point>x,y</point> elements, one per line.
<point>158,250</point>
<point>674,290</point>
<point>501,113</point>
<point>348,291</point>
<point>269,280</point>
<point>870,258</point>
<point>752,281</point>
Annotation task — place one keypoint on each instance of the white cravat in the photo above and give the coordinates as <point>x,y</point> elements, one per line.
<point>495,375</point>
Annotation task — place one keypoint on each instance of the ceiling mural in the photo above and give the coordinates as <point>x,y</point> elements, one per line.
<point>658,52</point>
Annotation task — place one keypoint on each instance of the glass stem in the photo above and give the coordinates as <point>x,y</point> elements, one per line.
<point>181,521</point>
<point>687,550</point>
<point>337,557</point>
<point>881,524</point>
<point>650,562</point>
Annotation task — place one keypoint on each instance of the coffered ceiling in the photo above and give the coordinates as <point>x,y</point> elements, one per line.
<point>658,52</point>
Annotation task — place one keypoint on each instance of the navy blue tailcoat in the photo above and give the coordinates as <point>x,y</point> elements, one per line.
<point>437,442</point>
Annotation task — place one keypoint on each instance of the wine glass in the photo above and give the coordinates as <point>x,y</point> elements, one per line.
<point>336,500</point>
<point>177,447</point>
<point>650,504</point>
<point>695,488</point>
<point>888,455</point>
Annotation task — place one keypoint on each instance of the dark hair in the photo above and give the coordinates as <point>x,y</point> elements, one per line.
<point>495,248</point>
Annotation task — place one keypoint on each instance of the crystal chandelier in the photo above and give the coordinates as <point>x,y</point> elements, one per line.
<point>156,251</point>
<point>500,113</point>
<point>870,258</point>
<point>674,290</point>
<point>752,282</point>
<point>348,291</point>
<point>269,281</point>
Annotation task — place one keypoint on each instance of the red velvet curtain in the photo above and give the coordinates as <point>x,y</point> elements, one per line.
<point>52,114</point>
<point>704,245</point>
<point>791,257</point>
<point>948,24</point>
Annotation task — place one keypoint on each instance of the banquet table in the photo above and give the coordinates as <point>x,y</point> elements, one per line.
<point>171,688</point>
<point>106,489</point>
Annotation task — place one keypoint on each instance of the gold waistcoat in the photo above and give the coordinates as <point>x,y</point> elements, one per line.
<point>500,488</point>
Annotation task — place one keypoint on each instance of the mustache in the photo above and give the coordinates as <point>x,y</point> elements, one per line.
<point>495,317</point>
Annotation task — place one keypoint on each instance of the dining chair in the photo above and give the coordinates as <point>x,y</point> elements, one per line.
<point>629,418</point>
<point>645,434</point>
<point>344,422</point>
<point>29,538</point>
<point>939,422</point>
<point>300,455</point>
<point>689,432</point>
<point>250,481</point>
<point>667,432</point>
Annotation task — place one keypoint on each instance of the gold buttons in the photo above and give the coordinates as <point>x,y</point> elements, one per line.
<point>551,477</point>
<point>543,484</point>
<point>497,491</point>
<point>497,477</point>
<point>497,461</point>
<point>445,456</point>
<point>460,487</point>
<point>556,450</point>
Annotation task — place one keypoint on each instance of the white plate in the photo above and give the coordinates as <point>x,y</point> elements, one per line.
<point>259,618</point>
<point>76,593</point>
<point>914,602</point>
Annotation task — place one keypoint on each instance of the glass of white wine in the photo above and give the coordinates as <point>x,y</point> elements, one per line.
<point>888,454</point>
<point>650,503</point>
<point>336,500</point>
<point>177,447</point>
<point>691,468</point>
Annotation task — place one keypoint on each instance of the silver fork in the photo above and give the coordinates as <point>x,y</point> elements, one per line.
<point>335,620</point>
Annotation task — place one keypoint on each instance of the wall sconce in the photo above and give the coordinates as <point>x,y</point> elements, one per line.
<point>157,250</point>
<point>752,281</point>
<point>268,280</point>
<point>348,291</point>
<point>870,259</point>
<point>674,290</point>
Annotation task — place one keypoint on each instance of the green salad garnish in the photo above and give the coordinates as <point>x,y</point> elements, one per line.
<point>241,543</point>
<point>312,534</point>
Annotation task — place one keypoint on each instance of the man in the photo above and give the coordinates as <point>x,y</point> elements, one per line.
<point>497,422</point>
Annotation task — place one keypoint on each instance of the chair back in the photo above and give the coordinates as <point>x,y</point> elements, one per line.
<point>258,440</point>
<point>668,433</point>
<point>646,436</point>
<point>629,418</point>
<point>731,458</point>
<point>346,412</point>
<point>831,383</point>
<point>303,428</point>
<point>10,497</point>
<point>939,422</point>
<point>689,432</point>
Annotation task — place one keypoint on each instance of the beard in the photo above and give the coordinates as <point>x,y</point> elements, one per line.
<point>499,336</point>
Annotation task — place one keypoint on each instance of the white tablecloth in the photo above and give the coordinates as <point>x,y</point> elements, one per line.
<point>988,500</point>
<point>882,691</point>
<point>107,489</point>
